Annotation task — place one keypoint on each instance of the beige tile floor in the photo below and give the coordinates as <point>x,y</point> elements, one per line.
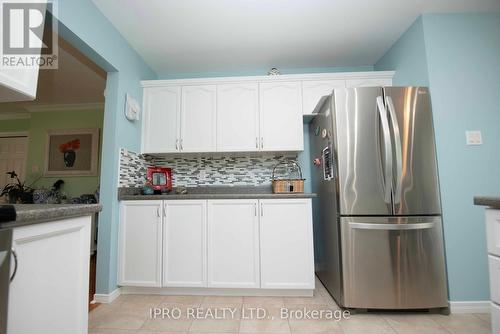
<point>130,314</point>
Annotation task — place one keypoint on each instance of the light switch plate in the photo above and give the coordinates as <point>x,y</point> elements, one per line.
<point>473,138</point>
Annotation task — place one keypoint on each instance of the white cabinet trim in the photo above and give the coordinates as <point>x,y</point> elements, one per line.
<point>267,78</point>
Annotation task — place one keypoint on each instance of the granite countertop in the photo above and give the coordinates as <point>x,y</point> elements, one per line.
<point>213,192</point>
<point>28,214</point>
<point>491,201</point>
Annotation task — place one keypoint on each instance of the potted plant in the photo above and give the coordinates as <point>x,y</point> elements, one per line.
<point>18,191</point>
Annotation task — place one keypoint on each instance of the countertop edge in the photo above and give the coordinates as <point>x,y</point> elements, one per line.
<point>215,196</point>
<point>489,201</point>
<point>41,214</point>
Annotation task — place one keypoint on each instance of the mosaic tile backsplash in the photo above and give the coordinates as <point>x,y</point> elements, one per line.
<point>188,171</point>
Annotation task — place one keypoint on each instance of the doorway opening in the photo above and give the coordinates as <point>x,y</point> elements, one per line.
<point>53,144</point>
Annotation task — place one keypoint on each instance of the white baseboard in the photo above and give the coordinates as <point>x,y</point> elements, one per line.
<point>107,298</point>
<point>481,306</point>
<point>217,291</point>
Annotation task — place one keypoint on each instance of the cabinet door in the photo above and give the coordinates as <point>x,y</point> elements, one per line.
<point>286,244</point>
<point>233,244</point>
<point>184,244</point>
<point>281,116</point>
<point>49,293</point>
<point>238,117</point>
<point>198,118</point>
<point>368,82</point>
<point>313,91</point>
<point>493,231</point>
<point>140,243</point>
<point>160,130</point>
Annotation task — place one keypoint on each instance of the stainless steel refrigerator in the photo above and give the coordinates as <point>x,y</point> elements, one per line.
<point>378,227</point>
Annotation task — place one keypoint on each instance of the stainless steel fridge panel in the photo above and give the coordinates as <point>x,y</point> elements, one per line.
<point>415,184</point>
<point>325,206</point>
<point>393,262</point>
<point>364,151</point>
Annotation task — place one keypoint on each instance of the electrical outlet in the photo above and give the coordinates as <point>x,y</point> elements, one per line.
<point>473,138</point>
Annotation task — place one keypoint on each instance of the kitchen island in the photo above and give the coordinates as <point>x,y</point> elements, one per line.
<point>50,276</point>
<point>492,215</point>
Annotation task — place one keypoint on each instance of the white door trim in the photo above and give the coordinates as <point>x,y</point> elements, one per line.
<point>14,134</point>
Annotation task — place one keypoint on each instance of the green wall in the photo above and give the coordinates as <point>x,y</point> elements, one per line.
<point>14,125</point>
<point>37,127</point>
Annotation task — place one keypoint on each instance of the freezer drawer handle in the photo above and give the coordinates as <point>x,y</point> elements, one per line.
<point>397,227</point>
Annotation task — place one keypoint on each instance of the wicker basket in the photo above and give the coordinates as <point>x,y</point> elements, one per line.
<point>288,184</point>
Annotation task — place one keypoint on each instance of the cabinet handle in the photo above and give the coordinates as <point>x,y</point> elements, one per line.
<point>255,209</point>
<point>177,144</point>
<point>158,212</point>
<point>261,142</point>
<point>256,142</point>
<point>165,210</point>
<point>14,254</point>
<point>261,210</point>
<point>182,149</point>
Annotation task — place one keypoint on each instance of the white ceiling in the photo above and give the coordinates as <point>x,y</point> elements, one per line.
<point>177,37</point>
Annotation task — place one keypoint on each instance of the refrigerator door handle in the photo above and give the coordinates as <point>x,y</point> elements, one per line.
<point>394,227</point>
<point>397,148</point>
<point>388,149</point>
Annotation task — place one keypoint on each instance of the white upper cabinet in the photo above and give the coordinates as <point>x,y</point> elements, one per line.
<point>160,130</point>
<point>313,90</point>
<point>184,244</point>
<point>281,126</point>
<point>140,243</point>
<point>238,117</point>
<point>198,119</point>
<point>233,244</point>
<point>20,83</point>
<point>368,82</point>
<point>286,244</point>
<point>246,114</point>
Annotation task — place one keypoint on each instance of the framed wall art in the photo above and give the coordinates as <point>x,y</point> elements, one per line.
<point>72,152</point>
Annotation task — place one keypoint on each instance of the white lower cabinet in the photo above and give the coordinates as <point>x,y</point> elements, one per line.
<point>240,243</point>
<point>140,243</point>
<point>184,244</point>
<point>233,244</point>
<point>49,293</point>
<point>286,246</point>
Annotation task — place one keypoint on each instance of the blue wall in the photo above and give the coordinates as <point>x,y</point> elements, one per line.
<point>263,71</point>
<point>84,26</point>
<point>463,72</point>
<point>408,58</point>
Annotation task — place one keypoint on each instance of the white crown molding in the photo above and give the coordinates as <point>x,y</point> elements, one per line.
<point>264,78</point>
<point>14,115</point>
<point>65,107</point>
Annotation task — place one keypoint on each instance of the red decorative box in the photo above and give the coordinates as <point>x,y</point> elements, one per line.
<point>160,178</point>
